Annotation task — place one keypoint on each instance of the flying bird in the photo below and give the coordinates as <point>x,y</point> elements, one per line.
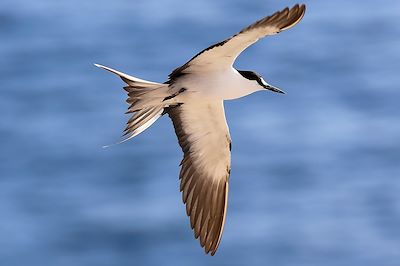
<point>193,98</point>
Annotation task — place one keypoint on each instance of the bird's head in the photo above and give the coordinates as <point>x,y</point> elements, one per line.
<point>258,81</point>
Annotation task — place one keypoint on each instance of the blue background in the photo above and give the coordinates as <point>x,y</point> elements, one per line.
<point>315,173</point>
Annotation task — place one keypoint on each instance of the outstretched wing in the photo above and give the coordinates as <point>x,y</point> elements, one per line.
<point>204,138</point>
<point>225,53</point>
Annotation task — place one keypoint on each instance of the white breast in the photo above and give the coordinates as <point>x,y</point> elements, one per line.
<point>226,84</point>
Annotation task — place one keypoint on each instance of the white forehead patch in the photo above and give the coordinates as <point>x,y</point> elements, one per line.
<point>263,81</point>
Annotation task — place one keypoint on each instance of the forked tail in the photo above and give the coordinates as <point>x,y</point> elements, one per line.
<point>146,101</point>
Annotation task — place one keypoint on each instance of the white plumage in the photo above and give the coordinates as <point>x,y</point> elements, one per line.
<point>193,98</point>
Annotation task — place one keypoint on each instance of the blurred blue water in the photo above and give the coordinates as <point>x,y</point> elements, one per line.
<point>314,173</point>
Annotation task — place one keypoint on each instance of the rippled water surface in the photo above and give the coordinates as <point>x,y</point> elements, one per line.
<point>315,173</point>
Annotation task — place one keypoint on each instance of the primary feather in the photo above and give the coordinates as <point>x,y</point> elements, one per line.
<point>193,98</point>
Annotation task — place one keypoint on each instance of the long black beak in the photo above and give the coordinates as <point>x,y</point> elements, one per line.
<point>274,89</point>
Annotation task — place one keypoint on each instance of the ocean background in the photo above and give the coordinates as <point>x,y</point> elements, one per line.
<point>315,173</point>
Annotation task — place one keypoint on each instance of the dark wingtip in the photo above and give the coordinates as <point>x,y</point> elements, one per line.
<point>210,251</point>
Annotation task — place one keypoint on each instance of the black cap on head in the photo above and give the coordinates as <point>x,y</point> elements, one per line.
<point>251,75</point>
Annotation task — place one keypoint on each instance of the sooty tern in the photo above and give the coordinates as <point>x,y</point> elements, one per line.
<point>193,98</point>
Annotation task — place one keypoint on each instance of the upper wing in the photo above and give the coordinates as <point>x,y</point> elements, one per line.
<point>224,53</point>
<point>204,138</point>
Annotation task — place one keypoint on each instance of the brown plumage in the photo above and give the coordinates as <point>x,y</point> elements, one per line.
<point>204,191</point>
<point>205,200</point>
<point>230,48</point>
<point>193,97</point>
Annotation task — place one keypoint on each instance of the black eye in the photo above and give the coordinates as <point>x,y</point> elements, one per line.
<point>249,75</point>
